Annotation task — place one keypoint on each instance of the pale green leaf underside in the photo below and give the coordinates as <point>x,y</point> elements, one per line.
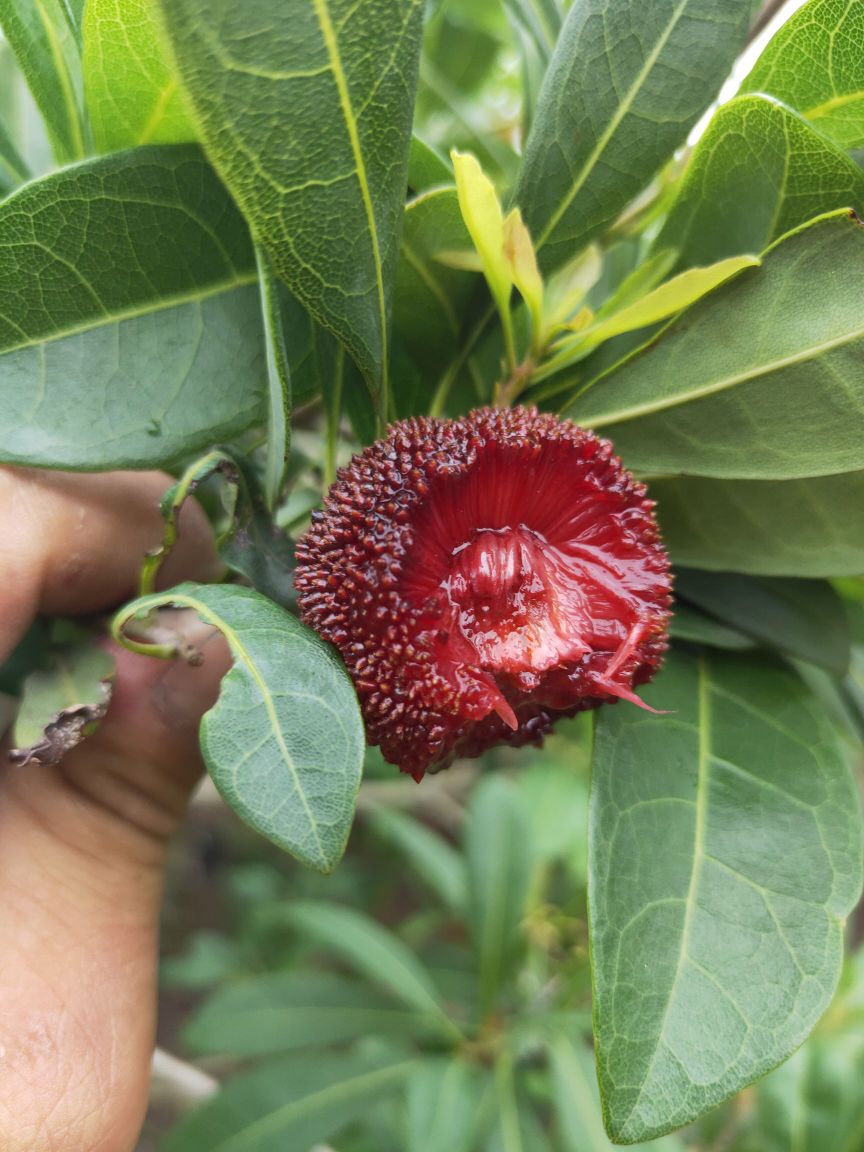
<point>762,379</point>
<point>816,65</point>
<point>758,172</point>
<point>626,83</point>
<point>811,527</point>
<point>130,331</point>
<point>714,957</point>
<point>284,742</point>
<point>308,120</point>
<point>132,97</point>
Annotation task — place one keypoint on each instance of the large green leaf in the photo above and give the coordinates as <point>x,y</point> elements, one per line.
<point>704,398</point>
<point>814,1102</point>
<point>292,1103</point>
<point>500,864</point>
<point>307,116</point>
<point>802,618</point>
<point>280,1011</point>
<point>714,957</point>
<point>808,527</point>
<point>815,64</point>
<point>129,333</point>
<point>132,96</point>
<point>48,55</point>
<point>284,741</point>
<point>626,83</point>
<point>577,1102</point>
<point>758,172</point>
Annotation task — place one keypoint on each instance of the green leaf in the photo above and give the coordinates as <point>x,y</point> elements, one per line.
<point>814,1101</point>
<point>758,172</point>
<point>268,94</point>
<point>814,63</point>
<point>786,528</point>
<point>690,624</point>
<point>63,703</point>
<point>13,170</point>
<point>426,168</point>
<point>372,950</point>
<point>442,1106</point>
<point>291,1103</point>
<point>254,545</point>
<point>431,299</point>
<point>128,335</point>
<point>577,1102</point>
<point>132,96</point>
<point>284,742</point>
<point>279,1011</point>
<point>516,1127</point>
<point>554,797</point>
<point>278,382</point>
<point>48,55</point>
<point>500,866</point>
<point>801,618</point>
<point>427,852</point>
<point>702,398</point>
<point>626,83</point>
<point>713,959</point>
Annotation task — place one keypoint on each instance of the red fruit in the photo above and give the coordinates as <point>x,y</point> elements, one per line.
<point>482,577</point>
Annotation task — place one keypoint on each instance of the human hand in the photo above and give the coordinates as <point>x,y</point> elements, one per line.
<point>82,844</point>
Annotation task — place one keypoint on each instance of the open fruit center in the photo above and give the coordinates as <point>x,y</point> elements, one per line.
<point>503,591</point>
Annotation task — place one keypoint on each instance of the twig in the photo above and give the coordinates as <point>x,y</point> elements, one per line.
<point>182,1085</point>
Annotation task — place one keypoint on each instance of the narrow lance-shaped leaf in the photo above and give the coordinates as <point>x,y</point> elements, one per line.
<point>284,742</point>
<point>811,527</point>
<point>49,57</point>
<point>308,121</point>
<point>281,1011</point>
<point>626,83</point>
<point>132,96</point>
<point>130,326</point>
<point>13,170</point>
<point>758,172</point>
<point>714,958</point>
<point>814,63</point>
<point>703,397</point>
<point>291,1103</point>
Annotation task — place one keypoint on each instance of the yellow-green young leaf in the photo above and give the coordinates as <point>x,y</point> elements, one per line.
<point>673,296</point>
<point>132,95</point>
<point>667,300</point>
<point>481,211</point>
<point>519,249</point>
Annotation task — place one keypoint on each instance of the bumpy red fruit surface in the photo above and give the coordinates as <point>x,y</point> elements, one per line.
<point>483,577</point>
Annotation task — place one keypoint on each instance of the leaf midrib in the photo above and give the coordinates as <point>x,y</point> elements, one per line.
<point>702,785</point>
<point>331,43</point>
<point>158,304</point>
<point>622,110</point>
<point>661,404</point>
<point>241,651</point>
